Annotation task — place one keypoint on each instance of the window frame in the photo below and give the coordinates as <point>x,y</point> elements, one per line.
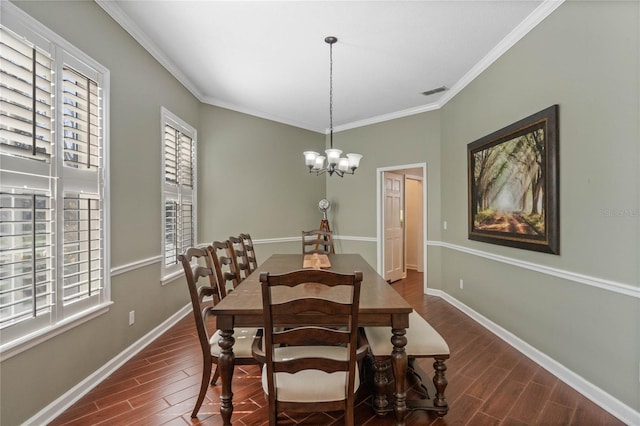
<point>63,317</point>
<point>172,272</point>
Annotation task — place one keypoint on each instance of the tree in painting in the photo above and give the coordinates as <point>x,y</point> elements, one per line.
<point>509,185</point>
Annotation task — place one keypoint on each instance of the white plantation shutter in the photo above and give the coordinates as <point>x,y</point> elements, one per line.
<point>178,189</point>
<point>26,269</point>
<point>83,269</point>
<point>81,120</point>
<point>53,181</point>
<point>25,98</point>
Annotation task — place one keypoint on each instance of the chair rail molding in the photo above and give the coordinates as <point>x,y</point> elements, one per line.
<point>601,283</point>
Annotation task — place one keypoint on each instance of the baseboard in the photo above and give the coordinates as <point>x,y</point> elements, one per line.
<point>609,403</point>
<point>57,407</point>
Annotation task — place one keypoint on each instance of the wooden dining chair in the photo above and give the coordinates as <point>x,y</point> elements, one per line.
<point>317,241</point>
<point>240,254</point>
<point>251,253</point>
<point>201,278</point>
<point>423,341</point>
<point>309,366</point>
<point>226,266</point>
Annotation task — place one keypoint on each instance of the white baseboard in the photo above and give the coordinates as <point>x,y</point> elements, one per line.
<point>57,407</point>
<point>609,403</point>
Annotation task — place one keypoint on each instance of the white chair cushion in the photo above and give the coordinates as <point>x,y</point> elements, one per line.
<point>241,348</point>
<point>310,385</point>
<point>422,339</point>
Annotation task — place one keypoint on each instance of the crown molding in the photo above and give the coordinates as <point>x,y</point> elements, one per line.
<point>386,117</point>
<point>528,24</point>
<point>538,15</point>
<point>261,114</point>
<point>134,30</point>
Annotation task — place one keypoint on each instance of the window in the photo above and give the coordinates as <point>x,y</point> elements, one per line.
<point>178,191</point>
<point>54,267</point>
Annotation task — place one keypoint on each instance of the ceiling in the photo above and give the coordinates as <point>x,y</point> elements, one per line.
<point>269,58</point>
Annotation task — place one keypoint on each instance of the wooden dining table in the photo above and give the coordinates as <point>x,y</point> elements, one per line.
<point>380,305</point>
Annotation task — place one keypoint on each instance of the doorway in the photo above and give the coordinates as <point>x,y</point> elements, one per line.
<point>401,220</point>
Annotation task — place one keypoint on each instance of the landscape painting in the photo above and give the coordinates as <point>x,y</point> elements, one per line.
<point>513,184</point>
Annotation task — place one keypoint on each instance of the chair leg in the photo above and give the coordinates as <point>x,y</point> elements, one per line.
<point>381,382</point>
<point>216,376</point>
<point>440,382</point>
<point>204,385</point>
<point>349,413</point>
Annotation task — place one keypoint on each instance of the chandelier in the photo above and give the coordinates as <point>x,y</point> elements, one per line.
<point>335,163</point>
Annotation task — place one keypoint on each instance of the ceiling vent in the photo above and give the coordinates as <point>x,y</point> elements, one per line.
<point>436,90</point>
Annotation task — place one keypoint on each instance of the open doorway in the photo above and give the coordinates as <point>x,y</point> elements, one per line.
<point>401,220</point>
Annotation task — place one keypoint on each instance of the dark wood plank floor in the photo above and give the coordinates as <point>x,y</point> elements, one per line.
<point>490,383</point>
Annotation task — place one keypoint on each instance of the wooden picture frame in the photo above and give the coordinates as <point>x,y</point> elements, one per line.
<point>513,184</point>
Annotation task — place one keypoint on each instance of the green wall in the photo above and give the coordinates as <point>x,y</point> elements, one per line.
<point>585,58</point>
<point>252,177</point>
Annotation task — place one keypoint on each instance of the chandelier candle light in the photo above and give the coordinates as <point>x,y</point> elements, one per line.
<point>335,163</point>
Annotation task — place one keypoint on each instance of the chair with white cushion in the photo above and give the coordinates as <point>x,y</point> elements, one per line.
<point>198,263</point>
<point>309,366</point>
<point>423,341</point>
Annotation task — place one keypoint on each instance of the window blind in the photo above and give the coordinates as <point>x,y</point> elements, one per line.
<point>52,184</point>
<point>81,121</point>
<point>25,98</point>
<point>178,189</point>
<point>82,243</point>
<point>26,271</point>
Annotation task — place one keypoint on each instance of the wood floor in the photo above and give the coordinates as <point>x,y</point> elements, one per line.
<point>490,383</point>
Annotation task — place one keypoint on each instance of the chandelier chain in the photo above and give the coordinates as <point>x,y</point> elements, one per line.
<point>331,94</point>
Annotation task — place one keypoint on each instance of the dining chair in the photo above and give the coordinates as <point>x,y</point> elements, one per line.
<point>423,341</point>
<point>309,366</point>
<point>198,266</point>
<point>226,266</point>
<point>240,254</point>
<point>317,241</point>
<point>251,253</point>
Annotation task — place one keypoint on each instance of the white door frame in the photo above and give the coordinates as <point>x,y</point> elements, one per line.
<point>379,209</point>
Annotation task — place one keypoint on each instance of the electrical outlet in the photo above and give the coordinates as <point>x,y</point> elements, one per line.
<point>444,225</point>
<point>461,284</point>
<point>132,317</point>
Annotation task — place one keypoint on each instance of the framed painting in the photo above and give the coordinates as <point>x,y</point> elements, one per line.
<point>513,184</point>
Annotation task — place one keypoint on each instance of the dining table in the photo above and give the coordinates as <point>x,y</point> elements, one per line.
<point>380,305</point>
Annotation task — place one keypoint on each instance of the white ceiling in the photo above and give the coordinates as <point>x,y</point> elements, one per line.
<point>269,58</point>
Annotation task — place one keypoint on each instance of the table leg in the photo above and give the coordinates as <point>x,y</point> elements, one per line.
<point>399,363</point>
<point>226,363</point>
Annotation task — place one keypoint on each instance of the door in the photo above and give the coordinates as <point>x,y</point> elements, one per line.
<point>393,226</point>
<point>413,227</point>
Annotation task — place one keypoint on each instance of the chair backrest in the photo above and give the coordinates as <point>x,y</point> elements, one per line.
<point>288,323</point>
<point>202,282</point>
<point>225,265</point>
<point>250,251</point>
<point>317,241</point>
<point>240,253</point>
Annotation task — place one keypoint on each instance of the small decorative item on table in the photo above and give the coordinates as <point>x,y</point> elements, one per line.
<point>316,261</point>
